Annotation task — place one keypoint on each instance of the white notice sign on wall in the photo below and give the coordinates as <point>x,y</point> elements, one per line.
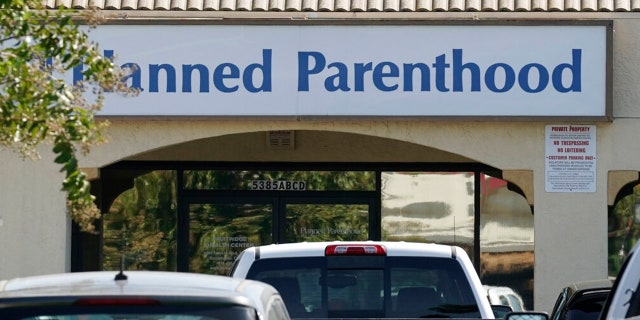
<point>570,158</point>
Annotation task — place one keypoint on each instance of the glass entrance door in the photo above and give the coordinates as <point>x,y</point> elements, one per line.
<point>327,220</point>
<point>218,229</point>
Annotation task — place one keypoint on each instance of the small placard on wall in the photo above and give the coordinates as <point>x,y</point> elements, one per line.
<point>570,158</point>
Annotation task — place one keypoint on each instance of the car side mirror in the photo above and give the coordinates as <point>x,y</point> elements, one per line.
<point>527,315</point>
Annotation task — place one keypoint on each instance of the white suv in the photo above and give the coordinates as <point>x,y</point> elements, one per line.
<point>368,279</point>
<point>148,295</point>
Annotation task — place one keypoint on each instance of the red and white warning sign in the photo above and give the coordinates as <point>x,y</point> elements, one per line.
<point>570,158</point>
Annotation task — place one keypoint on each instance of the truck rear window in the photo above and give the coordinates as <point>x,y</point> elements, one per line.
<point>369,287</point>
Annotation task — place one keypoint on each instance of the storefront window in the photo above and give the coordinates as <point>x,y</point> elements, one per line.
<point>326,222</point>
<point>141,225</point>
<point>219,232</point>
<point>429,207</point>
<point>279,180</point>
<point>506,242</point>
<point>624,229</point>
<point>440,207</point>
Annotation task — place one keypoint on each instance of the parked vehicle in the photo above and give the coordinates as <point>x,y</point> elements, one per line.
<point>623,301</point>
<point>369,279</point>
<point>147,295</point>
<point>581,300</point>
<point>527,315</point>
<point>499,295</point>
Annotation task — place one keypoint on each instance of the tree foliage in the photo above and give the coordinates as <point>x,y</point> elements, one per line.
<point>141,224</point>
<point>38,46</point>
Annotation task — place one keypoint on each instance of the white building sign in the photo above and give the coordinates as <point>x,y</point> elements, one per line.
<point>545,70</point>
<point>570,158</point>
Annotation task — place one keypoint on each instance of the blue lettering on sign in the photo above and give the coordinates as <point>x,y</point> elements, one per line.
<point>386,76</point>
<point>451,73</point>
<point>226,77</point>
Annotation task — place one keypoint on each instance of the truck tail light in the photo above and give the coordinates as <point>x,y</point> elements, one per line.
<point>355,250</point>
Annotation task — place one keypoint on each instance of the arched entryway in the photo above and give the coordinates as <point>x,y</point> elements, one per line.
<point>193,206</point>
<point>623,225</point>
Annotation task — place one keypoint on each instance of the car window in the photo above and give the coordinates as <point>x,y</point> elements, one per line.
<point>355,290</point>
<point>588,309</point>
<point>500,311</point>
<point>127,313</point>
<point>298,284</point>
<point>561,301</point>
<point>407,287</point>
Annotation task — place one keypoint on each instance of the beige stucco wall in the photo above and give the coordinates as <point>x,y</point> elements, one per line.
<point>570,228</point>
<point>34,230</point>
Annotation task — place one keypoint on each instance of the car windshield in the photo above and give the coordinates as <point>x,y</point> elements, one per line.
<point>45,312</point>
<point>389,287</point>
<point>588,308</point>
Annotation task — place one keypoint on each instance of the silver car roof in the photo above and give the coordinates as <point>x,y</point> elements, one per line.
<point>138,283</point>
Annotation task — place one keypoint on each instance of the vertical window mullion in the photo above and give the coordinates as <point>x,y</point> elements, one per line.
<point>182,225</point>
<point>477,192</point>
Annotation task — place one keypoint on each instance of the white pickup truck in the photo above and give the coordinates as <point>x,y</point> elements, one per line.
<point>369,279</point>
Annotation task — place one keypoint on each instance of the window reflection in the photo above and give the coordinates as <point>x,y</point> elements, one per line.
<point>141,225</point>
<point>327,222</point>
<point>428,207</point>
<point>439,207</point>
<point>506,239</point>
<point>624,229</point>
<point>219,232</point>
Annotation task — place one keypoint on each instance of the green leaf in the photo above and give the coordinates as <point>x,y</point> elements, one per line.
<point>61,147</point>
<point>63,157</point>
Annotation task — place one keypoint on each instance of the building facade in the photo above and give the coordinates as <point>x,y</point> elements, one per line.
<point>505,127</point>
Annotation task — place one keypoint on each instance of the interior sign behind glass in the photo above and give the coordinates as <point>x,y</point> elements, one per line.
<point>278,185</point>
